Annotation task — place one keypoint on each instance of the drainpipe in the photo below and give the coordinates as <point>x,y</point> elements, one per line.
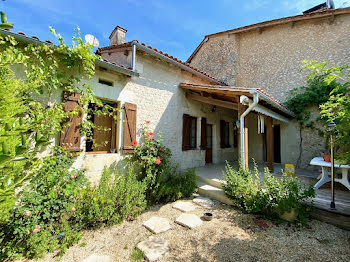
<point>133,57</point>
<point>245,100</point>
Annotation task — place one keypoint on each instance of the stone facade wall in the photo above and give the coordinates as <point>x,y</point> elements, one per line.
<point>272,59</point>
<point>161,101</point>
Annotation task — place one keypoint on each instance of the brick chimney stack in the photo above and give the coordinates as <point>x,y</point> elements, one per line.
<point>117,37</point>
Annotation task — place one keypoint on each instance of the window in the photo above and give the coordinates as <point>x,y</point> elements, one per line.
<point>224,134</point>
<point>193,133</point>
<point>103,137</point>
<point>189,132</point>
<point>105,82</point>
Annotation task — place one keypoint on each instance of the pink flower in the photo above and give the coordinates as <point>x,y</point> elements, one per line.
<point>73,176</point>
<point>158,161</point>
<point>161,149</point>
<point>134,143</point>
<point>73,209</point>
<point>27,213</point>
<point>147,122</point>
<point>37,229</point>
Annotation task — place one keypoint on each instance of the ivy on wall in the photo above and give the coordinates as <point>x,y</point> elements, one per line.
<point>327,89</point>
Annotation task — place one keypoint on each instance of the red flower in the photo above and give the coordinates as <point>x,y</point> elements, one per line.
<point>147,122</point>
<point>150,134</point>
<point>27,213</point>
<point>161,149</point>
<point>158,161</point>
<point>134,143</point>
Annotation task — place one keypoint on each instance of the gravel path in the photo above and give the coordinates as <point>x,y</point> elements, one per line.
<point>230,236</point>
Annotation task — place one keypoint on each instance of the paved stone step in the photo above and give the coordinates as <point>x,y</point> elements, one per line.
<point>215,182</point>
<point>213,192</point>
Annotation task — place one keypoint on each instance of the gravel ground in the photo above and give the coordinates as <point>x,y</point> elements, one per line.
<point>230,236</point>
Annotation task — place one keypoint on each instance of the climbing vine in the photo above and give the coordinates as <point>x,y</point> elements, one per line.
<point>327,89</point>
<point>32,79</point>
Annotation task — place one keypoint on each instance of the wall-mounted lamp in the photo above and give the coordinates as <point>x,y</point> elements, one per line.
<point>213,110</point>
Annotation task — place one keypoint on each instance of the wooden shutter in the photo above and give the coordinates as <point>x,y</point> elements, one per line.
<point>186,129</point>
<point>70,136</point>
<point>203,133</point>
<point>222,134</point>
<point>129,127</point>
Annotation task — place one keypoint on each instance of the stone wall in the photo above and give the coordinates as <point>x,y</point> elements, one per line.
<point>161,101</point>
<point>271,59</point>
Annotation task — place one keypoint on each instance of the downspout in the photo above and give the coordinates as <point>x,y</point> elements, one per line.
<point>245,100</point>
<point>133,57</point>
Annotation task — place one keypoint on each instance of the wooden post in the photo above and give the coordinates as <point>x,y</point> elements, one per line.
<point>269,138</point>
<point>241,109</point>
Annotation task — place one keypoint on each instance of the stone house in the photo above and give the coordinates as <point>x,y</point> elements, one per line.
<point>196,113</point>
<point>269,56</point>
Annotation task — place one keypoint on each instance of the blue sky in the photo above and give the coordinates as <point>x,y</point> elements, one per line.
<point>176,26</point>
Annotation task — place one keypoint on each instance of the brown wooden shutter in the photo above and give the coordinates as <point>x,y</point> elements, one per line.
<point>129,127</point>
<point>70,136</point>
<point>186,132</point>
<point>222,134</point>
<point>203,145</point>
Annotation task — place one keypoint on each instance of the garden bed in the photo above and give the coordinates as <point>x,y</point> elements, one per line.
<point>230,236</point>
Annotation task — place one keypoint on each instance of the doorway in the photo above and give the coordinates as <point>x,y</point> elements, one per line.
<point>276,144</point>
<point>209,148</point>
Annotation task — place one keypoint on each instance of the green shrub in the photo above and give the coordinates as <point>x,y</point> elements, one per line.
<point>117,197</point>
<point>176,186</point>
<point>164,182</point>
<point>272,196</point>
<point>44,210</point>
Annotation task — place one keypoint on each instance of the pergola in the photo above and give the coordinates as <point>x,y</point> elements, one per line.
<point>243,100</point>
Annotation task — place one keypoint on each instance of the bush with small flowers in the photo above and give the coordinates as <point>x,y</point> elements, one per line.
<point>164,182</point>
<point>45,210</point>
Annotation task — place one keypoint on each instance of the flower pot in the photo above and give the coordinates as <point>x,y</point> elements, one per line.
<point>208,216</point>
<point>327,157</point>
<point>290,216</point>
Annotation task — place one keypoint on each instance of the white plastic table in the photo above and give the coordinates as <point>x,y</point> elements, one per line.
<point>326,176</point>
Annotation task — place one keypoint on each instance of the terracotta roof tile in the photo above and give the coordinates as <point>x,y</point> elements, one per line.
<point>164,54</point>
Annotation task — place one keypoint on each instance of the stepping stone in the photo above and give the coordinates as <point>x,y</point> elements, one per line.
<point>203,201</point>
<point>98,258</point>
<point>189,220</point>
<point>157,225</point>
<point>154,248</point>
<point>184,206</point>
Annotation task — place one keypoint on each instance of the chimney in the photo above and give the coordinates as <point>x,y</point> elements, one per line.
<point>117,37</point>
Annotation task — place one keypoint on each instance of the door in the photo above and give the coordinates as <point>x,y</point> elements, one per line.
<point>209,148</point>
<point>277,143</point>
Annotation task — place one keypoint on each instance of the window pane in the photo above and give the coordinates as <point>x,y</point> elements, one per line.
<point>227,134</point>
<point>209,136</point>
<point>193,133</point>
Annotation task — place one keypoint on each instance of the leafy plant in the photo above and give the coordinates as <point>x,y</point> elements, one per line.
<point>32,78</point>
<point>164,182</point>
<point>328,89</point>
<point>42,219</point>
<point>271,196</point>
<point>117,197</point>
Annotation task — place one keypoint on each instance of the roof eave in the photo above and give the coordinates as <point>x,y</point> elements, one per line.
<point>169,60</point>
<point>29,40</point>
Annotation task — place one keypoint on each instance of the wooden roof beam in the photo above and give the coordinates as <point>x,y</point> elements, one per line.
<point>212,101</point>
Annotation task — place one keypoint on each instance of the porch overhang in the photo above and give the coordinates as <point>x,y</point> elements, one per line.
<point>229,97</point>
